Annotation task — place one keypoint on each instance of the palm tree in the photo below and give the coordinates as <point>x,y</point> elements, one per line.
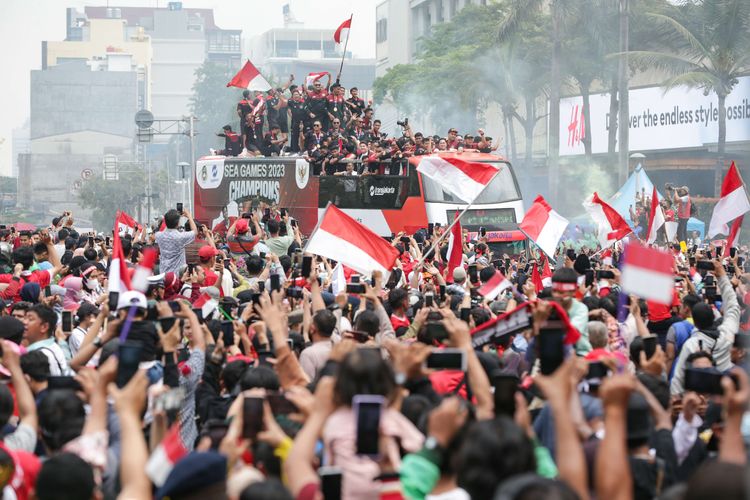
<point>705,45</point>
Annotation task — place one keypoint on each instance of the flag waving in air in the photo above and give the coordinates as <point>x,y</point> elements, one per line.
<point>466,180</point>
<point>455,249</point>
<point>655,219</point>
<point>311,78</point>
<point>343,239</point>
<point>346,25</point>
<point>125,223</point>
<point>647,272</point>
<point>543,225</point>
<point>612,226</point>
<point>732,204</point>
<point>119,278</point>
<point>249,78</point>
<point>494,286</point>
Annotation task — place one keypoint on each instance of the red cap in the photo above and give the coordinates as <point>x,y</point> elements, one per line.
<point>242,226</point>
<point>206,252</point>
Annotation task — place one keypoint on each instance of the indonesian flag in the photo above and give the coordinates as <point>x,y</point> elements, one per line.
<point>655,219</point>
<point>455,249</point>
<point>125,224</point>
<point>546,271</point>
<point>249,78</point>
<point>464,179</point>
<point>343,239</point>
<point>612,226</point>
<point>607,257</point>
<point>734,232</point>
<point>543,226</point>
<point>732,204</point>
<point>494,286</point>
<point>206,304</point>
<point>536,278</point>
<point>338,279</point>
<point>311,78</point>
<point>647,272</point>
<point>144,270</point>
<point>345,25</point>
<point>118,278</point>
<point>165,456</point>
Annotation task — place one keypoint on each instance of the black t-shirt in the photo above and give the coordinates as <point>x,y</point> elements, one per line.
<point>271,113</point>
<point>244,107</point>
<point>356,105</point>
<point>311,140</point>
<point>317,104</point>
<point>298,109</point>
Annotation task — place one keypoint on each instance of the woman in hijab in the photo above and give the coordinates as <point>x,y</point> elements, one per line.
<point>31,292</point>
<point>73,288</point>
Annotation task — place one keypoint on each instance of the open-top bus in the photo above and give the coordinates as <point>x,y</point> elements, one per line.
<point>387,204</point>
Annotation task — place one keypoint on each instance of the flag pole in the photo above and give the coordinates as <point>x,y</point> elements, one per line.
<point>346,43</point>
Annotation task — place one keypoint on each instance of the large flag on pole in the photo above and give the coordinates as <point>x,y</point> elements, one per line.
<point>311,78</point>
<point>655,219</point>
<point>345,25</point>
<point>343,239</point>
<point>119,278</point>
<point>455,250</point>
<point>612,226</point>
<point>543,226</point>
<point>125,223</point>
<point>494,286</point>
<point>734,232</point>
<point>249,78</point>
<point>466,180</point>
<point>732,204</point>
<point>647,272</point>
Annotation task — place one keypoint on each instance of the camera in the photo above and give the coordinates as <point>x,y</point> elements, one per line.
<point>404,123</point>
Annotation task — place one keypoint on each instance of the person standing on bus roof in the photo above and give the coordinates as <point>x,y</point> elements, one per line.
<point>315,137</point>
<point>244,107</point>
<point>297,111</point>
<point>232,144</point>
<point>317,104</point>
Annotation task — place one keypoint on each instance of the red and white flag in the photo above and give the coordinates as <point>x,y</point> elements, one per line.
<point>607,257</point>
<point>543,226</point>
<point>612,226</point>
<point>455,250</point>
<point>249,78</point>
<point>118,276</point>
<point>734,233</point>
<point>311,78</point>
<point>647,273</point>
<point>346,25</point>
<point>536,278</point>
<point>165,456</point>
<point>655,219</point>
<point>464,179</point>
<point>732,204</point>
<point>343,239</point>
<point>494,286</point>
<point>144,270</point>
<point>206,304</point>
<point>546,271</point>
<point>125,224</point>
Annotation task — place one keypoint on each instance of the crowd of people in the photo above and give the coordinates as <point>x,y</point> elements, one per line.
<point>246,369</point>
<point>677,206</point>
<point>330,130</point>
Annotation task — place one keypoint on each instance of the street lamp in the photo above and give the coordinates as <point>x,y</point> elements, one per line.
<point>184,176</point>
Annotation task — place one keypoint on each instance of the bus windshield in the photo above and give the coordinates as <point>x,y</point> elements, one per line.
<point>502,189</point>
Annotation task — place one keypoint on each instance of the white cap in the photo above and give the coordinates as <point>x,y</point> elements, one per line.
<point>132,298</point>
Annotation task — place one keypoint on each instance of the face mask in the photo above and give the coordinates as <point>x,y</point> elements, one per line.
<point>92,283</point>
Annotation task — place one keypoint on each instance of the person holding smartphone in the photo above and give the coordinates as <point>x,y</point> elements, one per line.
<point>242,238</point>
<point>172,241</point>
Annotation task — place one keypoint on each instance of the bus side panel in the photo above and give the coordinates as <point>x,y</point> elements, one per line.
<point>410,218</point>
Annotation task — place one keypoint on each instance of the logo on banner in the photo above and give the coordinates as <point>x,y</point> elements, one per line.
<point>210,174</point>
<point>576,127</point>
<point>302,173</point>
<point>380,191</point>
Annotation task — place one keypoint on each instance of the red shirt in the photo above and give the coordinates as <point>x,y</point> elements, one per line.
<point>660,312</point>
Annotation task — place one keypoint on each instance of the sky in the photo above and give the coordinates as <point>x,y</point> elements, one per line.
<point>25,23</point>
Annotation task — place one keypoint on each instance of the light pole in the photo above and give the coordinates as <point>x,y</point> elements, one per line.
<point>184,174</point>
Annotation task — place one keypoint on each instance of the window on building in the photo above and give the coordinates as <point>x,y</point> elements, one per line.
<point>309,45</point>
<point>381,30</point>
<point>329,48</point>
<point>286,48</point>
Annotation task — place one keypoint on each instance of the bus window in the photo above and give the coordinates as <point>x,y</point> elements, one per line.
<point>363,192</point>
<point>502,189</point>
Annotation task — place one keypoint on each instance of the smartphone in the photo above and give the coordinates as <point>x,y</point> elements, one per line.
<point>128,358</point>
<point>430,228</point>
<point>47,291</point>
<point>267,213</point>
<point>227,262</point>
<point>482,232</point>
<point>733,252</point>
<point>355,287</point>
<point>709,255</point>
<point>597,371</point>
<point>405,240</point>
<point>57,382</point>
<point>306,266</point>
<point>216,432</point>
<point>252,416</point>
<point>589,277</point>
<point>429,300</point>
<point>106,241</point>
<point>367,410</point>
<point>506,386</point>
<point>283,212</point>
<point>199,312</point>
<point>179,208</point>
<point>167,323</point>
<point>293,222</point>
<point>227,333</point>
<point>359,336</point>
<point>447,359</point>
<point>170,400</point>
<point>605,275</point>
<point>114,298</point>
<point>67,321</point>
<point>703,380</point>
<point>649,345</point>
<point>706,265</point>
<point>330,482</point>
<point>571,254</point>
<point>465,314</point>
<point>719,251</point>
<point>442,292</point>
<point>551,350</point>
<point>279,404</point>
<point>275,282</point>
<point>473,277</point>
<point>91,241</point>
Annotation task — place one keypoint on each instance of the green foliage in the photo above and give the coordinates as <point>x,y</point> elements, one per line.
<point>106,197</point>
<point>214,104</point>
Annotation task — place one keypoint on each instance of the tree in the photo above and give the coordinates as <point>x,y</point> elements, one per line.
<point>705,44</point>
<point>214,104</point>
<point>106,197</point>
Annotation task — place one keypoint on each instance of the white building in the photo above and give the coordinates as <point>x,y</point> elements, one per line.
<point>21,145</point>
